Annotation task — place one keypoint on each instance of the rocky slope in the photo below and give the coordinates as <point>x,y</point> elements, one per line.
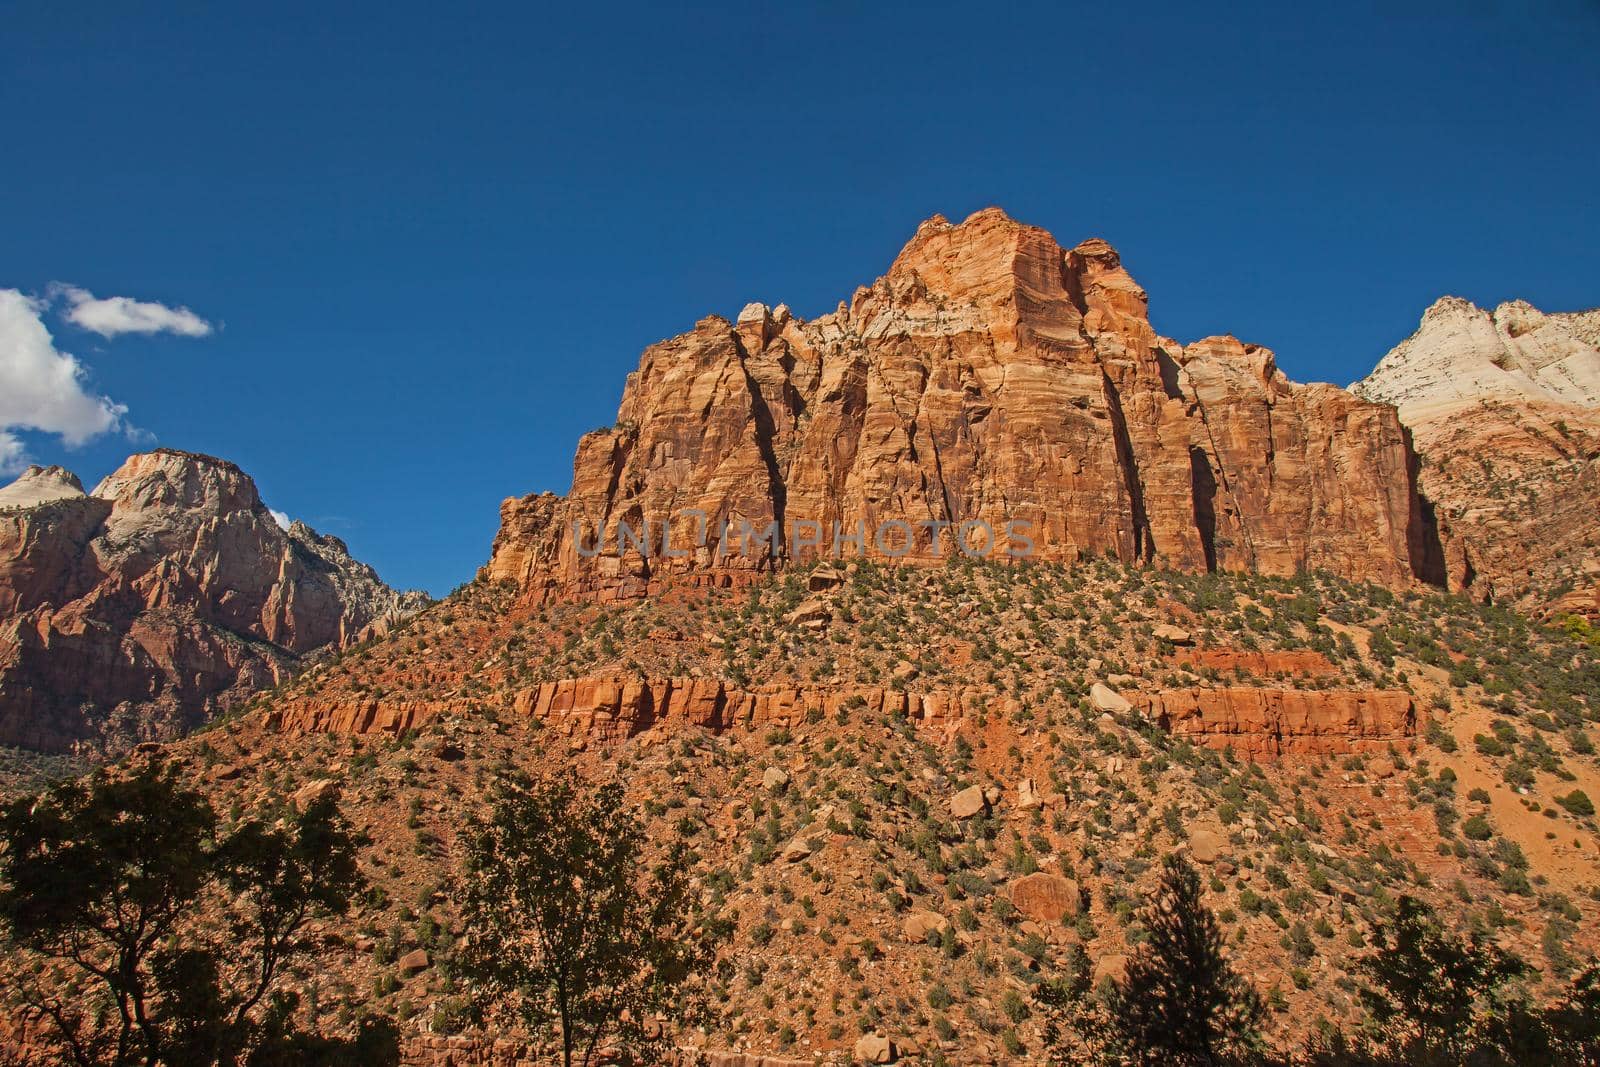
<point>913,793</point>
<point>1504,406</point>
<point>993,377</point>
<point>145,606</point>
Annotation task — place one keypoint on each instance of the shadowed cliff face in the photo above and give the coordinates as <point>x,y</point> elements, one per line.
<point>989,377</point>
<point>137,610</point>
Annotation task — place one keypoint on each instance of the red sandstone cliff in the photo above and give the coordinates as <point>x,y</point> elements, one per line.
<point>139,609</point>
<point>990,375</point>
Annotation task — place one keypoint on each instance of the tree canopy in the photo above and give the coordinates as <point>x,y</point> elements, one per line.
<point>145,931</point>
<point>570,924</point>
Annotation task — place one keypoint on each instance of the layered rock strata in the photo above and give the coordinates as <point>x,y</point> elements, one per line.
<point>137,610</point>
<point>1268,723</point>
<point>1505,409</point>
<point>994,389</point>
<point>1257,722</point>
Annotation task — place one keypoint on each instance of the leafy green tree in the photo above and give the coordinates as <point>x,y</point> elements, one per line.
<point>1434,997</point>
<point>1179,1003</point>
<point>143,932</point>
<point>569,925</point>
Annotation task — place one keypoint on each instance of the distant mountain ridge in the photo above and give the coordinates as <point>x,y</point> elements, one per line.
<point>139,609</point>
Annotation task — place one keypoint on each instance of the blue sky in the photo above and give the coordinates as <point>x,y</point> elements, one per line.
<point>433,242</point>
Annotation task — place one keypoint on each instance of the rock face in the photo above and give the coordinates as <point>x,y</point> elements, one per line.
<point>40,485</point>
<point>139,609</point>
<point>1258,664</point>
<point>1267,723</point>
<point>1462,353</point>
<point>1261,722</point>
<point>990,377</point>
<point>1046,898</point>
<point>611,709</point>
<point>1505,410</point>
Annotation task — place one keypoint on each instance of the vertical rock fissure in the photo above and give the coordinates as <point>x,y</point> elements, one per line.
<point>1143,542</point>
<point>1220,473</point>
<point>1203,493</point>
<point>766,435</point>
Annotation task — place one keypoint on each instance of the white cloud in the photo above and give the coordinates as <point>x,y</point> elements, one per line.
<point>116,315</point>
<point>279,517</point>
<point>13,456</point>
<point>41,388</point>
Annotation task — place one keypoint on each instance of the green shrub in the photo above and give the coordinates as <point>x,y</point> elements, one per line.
<point>1578,803</point>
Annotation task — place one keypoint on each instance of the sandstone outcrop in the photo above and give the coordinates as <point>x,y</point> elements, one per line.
<point>992,389</point>
<point>139,609</point>
<point>1462,353</point>
<point>1105,699</point>
<point>1268,723</point>
<point>1504,406</point>
<point>1257,722</point>
<point>613,709</point>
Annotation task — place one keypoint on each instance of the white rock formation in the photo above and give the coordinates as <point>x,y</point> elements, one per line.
<point>40,485</point>
<point>1462,354</point>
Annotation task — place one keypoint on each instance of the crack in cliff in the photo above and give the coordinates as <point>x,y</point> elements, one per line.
<point>1203,495</point>
<point>766,435</point>
<point>1220,473</point>
<point>1143,540</point>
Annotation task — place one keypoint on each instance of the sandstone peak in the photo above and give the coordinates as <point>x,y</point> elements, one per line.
<point>989,376</point>
<point>40,485</point>
<point>1462,354</point>
<point>159,598</point>
<point>1504,406</point>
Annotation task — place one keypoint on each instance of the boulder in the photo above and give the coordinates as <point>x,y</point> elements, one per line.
<point>774,779</point>
<point>875,1048</point>
<point>813,613</point>
<point>1108,700</point>
<point>1205,846</point>
<point>1176,635</point>
<point>919,924</point>
<point>1046,898</point>
<point>969,802</point>
<point>1111,967</point>
<point>414,962</point>
<point>824,577</point>
<point>314,792</point>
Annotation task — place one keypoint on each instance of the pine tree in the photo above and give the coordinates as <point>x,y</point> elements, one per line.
<point>1433,994</point>
<point>1180,1003</point>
